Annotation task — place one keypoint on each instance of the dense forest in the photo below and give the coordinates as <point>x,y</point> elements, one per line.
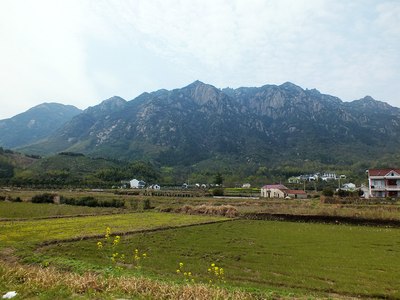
<point>69,169</point>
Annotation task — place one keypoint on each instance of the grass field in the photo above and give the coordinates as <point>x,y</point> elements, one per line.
<point>272,259</point>
<point>18,210</point>
<point>25,234</point>
<point>310,258</point>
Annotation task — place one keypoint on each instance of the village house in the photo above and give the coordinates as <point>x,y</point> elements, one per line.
<point>281,191</point>
<point>350,187</point>
<point>384,183</point>
<point>296,194</point>
<point>154,187</point>
<point>137,184</point>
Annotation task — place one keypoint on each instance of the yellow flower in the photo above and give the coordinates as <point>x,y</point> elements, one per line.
<point>190,274</point>
<point>209,270</point>
<point>178,271</point>
<point>116,240</point>
<point>99,245</point>
<point>180,265</point>
<point>108,232</point>
<point>212,265</point>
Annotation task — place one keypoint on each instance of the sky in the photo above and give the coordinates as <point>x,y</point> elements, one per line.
<point>81,52</point>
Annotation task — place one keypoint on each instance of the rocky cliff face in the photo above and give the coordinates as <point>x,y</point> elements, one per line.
<point>266,124</point>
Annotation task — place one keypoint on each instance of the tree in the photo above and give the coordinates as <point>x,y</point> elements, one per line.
<point>328,192</point>
<point>218,179</point>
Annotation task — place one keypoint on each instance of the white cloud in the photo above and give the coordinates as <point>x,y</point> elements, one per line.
<point>80,52</point>
<point>42,56</point>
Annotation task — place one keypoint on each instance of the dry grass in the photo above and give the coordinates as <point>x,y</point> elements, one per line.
<point>221,210</point>
<point>44,278</point>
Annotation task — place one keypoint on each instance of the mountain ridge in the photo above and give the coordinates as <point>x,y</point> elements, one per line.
<point>267,125</point>
<point>34,124</point>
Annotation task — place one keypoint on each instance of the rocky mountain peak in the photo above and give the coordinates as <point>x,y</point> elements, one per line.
<point>367,98</point>
<point>111,104</point>
<point>291,86</point>
<point>202,93</point>
<point>34,124</point>
<point>370,103</point>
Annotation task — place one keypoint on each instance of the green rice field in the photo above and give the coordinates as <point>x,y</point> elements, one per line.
<point>280,259</point>
<point>27,210</point>
<point>349,260</point>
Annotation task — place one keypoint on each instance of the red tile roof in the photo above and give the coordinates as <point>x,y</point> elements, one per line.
<point>298,192</point>
<point>382,172</point>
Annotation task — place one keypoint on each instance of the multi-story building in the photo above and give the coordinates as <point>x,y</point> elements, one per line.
<point>384,183</point>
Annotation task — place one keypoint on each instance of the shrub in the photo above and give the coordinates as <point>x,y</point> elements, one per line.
<point>69,201</point>
<point>328,192</point>
<point>218,192</point>
<point>146,204</point>
<point>18,199</point>
<point>92,202</point>
<point>43,198</point>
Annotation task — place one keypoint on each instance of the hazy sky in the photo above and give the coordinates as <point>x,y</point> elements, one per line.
<point>82,52</point>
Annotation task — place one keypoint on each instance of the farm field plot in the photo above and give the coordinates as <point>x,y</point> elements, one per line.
<point>314,259</point>
<point>19,210</point>
<point>24,236</point>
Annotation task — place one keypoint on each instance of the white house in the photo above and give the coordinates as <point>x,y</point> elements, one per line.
<point>137,184</point>
<point>154,187</point>
<point>351,187</point>
<point>384,183</point>
<point>328,176</point>
<point>281,191</point>
<point>273,191</point>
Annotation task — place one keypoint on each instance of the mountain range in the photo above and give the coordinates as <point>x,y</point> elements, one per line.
<point>268,125</point>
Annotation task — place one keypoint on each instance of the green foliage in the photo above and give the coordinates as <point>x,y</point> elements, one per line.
<point>146,204</point>
<point>71,154</point>
<point>92,202</point>
<point>218,179</point>
<point>43,198</point>
<point>328,192</point>
<point>6,167</point>
<point>218,192</point>
<point>16,199</point>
